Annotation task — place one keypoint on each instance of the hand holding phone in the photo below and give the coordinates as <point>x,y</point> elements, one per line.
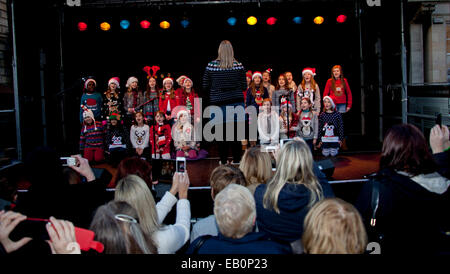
<point>8,222</point>
<point>181,164</point>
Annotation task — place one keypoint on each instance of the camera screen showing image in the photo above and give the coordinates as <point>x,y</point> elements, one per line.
<point>68,161</point>
<point>181,164</point>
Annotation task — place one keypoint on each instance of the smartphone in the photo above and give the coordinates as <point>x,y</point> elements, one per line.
<point>68,161</point>
<point>31,227</point>
<point>283,141</point>
<point>181,164</point>
<point>85,238</point>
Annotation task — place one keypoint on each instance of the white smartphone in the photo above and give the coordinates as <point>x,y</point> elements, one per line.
<point>181,164</point>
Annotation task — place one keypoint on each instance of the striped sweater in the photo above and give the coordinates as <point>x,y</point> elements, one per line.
<point>225,86</point>
<point>92,136</point>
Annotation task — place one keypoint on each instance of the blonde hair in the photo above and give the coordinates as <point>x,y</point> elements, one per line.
<point>225,55</point>
<point>334,226</point>
<point>256,166</point>
<point>294,166</point>
<point>133,190</point>
<point>235,211</point>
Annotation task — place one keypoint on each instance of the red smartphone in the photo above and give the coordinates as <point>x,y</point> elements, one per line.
<point>85,238</point>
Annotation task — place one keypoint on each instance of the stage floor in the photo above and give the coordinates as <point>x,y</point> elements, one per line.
<point>348,166</point>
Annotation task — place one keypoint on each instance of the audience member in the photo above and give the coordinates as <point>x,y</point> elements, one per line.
<point>257,167</point>
<point>440,146</point>
<point>137,166</point>
<point>170,238</point>
<point>412,195</point>
<point>117,227</point>
<point>333,226</point>
<point>235,212</point>
<point>284,201</point>
<point>220,177</point>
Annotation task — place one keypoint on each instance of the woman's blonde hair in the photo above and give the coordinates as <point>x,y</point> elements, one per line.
<point>256,166</point>
<point>294,166</point>
<point>120,235</point>
<point>333,226</point>
<point>225,55</point>
<point>133,190</point>
<point>235,211</point>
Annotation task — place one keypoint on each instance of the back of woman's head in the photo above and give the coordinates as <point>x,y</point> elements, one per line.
<point>224,175</point>
<point>225,54</point>
<point>256,166</point>
<point>295,166</point>
<point>405,149</point>
<point>136,166</point>
<point>133,190</point>
<point>333,226</point>
<point>116,225</point>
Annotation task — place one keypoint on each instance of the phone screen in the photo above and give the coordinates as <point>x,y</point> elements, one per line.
<point>35,229</point>
<point>181,164</point>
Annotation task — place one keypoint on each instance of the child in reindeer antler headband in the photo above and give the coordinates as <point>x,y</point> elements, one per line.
<point>151,92</point>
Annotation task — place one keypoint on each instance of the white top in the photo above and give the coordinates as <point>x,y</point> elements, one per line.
<point>170,238</point>
<point>140,136</point>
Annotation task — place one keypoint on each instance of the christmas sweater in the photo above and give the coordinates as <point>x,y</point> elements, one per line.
<point>166,103</point>
<point>331,129</point>
<point>312,94</point>
<point>92,136</point>
<point>151,108</point>
<point>256,100</point>
<point>308,125</point>
<point>111,103</point>
<point>183,135</point>
<point>132,99</point>
<point>92,101</point>
<point>163,138</point>
<point>190,100</point>
<point>225,86</point>
<point>293,126</point>
<point>139,136</point>
<point>280,94</point>
<point>117,137</point>
<point>342,93</point>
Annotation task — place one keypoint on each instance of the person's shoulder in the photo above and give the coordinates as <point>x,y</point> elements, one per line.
<point>213,64</point>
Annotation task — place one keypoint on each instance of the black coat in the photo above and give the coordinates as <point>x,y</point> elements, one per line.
<point>410,217</point>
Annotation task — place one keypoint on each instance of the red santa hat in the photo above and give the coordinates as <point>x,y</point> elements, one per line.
<point>269,70</point>
<point>114,80</point>
<point>181,79</point>
<point>87,82</point>
<point>182,111</point>
<point>331,101</point>
<point>130,81</point>
<point>285,103</point>
<point>248,74</point>
<point>167,79</point>
<point>310,70</point>
<point>186,79</point>
<point>256,73</point>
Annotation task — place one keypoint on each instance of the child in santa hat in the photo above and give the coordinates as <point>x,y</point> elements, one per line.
<point>111,100</point>
<point>189,98</point>
<point>331,128</point>
<point>168,99</point>
<point>161,135</point>
<point>91,137</point>
<point>309,88</point>
<point>91,99</point>
<point>337,87</point>
<point>288,119</point>
<point>132,98</point>
<point>117,141</point>
<point>308,124</point>
<point>183,136</point>
<point>268,124</point>
<point>256,92</point>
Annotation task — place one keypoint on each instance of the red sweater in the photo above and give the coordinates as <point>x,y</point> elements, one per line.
<point>163,138</point>
<point>342,94</point>
<point>163,103</point>
<point>193,97</point>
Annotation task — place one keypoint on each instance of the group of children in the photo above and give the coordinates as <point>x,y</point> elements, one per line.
<point>299,108</point>
<point>115,125</point>
<point>152,123</point>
